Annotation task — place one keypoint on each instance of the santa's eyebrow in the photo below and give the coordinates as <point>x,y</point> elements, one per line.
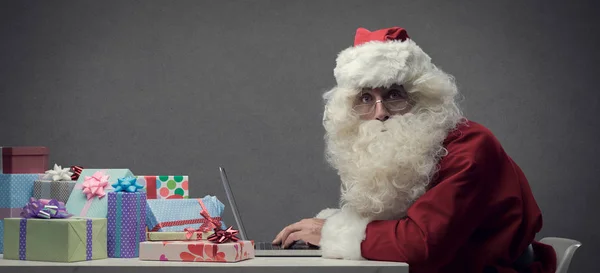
<point>365,91</point>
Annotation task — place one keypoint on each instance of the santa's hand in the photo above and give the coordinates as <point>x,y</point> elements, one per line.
<point>307,230</point>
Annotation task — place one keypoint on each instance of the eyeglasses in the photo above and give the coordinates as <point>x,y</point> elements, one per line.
<point>363,108</point>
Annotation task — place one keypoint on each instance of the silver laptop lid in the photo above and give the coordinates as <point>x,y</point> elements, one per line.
<point>231,199</point>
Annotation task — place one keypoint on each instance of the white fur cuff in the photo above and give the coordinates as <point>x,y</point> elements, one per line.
<point>342,235</point>
<point>326,213</point>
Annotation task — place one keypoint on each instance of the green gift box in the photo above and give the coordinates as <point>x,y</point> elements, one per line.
<point>55,240</point>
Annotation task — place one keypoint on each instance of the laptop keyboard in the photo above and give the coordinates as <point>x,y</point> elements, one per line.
<point>270,246</point>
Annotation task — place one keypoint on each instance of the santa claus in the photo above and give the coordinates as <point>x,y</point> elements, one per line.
<point>420,183</point>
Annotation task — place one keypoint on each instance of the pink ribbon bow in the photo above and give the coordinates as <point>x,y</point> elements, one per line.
<point>211,223</point>
<point>93,186</point>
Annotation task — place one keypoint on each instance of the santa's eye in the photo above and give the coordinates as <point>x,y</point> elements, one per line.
<point>395,94</point>
<point>366,98</point>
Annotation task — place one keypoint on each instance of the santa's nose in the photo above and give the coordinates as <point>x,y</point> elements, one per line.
<point>381,113</point>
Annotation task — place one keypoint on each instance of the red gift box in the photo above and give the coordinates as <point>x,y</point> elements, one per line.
<point>24,160</point>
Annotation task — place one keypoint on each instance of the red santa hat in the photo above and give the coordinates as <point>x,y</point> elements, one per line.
<point>379,59</point>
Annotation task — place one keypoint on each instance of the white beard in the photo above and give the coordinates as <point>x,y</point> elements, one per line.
<point>386,166</point>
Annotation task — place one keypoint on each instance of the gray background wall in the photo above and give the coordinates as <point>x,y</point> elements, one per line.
<point>182,87</point>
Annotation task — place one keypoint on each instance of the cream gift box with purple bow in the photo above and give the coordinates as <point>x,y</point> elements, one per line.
<point>88,198</point>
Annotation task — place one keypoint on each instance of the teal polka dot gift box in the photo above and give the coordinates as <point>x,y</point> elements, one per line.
<point>89,195</point>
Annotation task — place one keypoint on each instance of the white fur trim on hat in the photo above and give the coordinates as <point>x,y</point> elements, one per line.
<point>342,235</point>
<point>380,64</point>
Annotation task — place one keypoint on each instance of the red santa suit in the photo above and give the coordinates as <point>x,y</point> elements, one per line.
<point>478,213</point>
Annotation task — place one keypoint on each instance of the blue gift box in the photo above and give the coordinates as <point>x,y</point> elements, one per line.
<point>15,191</point>
<point>177,214</point>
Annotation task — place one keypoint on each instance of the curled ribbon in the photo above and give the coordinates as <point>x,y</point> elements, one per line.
<point>76,170</point>
<point>45,209</point>
<point>220,236</point>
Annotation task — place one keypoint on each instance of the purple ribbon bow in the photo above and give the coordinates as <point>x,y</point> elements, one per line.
<point>45,209</point>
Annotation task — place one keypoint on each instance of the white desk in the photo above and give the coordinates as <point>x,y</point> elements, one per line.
<point>259,264</point>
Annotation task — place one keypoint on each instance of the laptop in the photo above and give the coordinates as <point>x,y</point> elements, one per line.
<point>266,248</point>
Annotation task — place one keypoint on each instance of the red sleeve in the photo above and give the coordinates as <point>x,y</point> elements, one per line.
<point>443,218</point>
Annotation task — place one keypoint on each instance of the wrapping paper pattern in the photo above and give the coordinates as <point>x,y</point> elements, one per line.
<point>56,240</point>
<point>99,206</point>
<point>196,251</point>
<point>59,190</point>
<point>15,191</point>
<point>126,223</point>
<point>165,186</point>
<point>177,214</point>
<point>177,236</point>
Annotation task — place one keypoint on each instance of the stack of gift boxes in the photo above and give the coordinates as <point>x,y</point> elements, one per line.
<point>78,214</point>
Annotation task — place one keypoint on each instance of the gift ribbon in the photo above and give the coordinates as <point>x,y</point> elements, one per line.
<point>57,173</point>
<point>212,222</point>
<point>23,239</point>
<point>189,232</point>
<point>139,228</point>
<point>127,184</point>
<point>118,222</point>
<point>76,170</point>
<point>220,236</point>
<point>182,223</point>
<point>93,186</point>
<point>207,223</point>
<point>88,239</point>
<point>45,209</point>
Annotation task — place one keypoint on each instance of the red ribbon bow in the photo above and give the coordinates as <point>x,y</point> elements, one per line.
<point>223,236</point>
<point>220,236</point>
<point>76,170</point>
<point>363,35</point>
